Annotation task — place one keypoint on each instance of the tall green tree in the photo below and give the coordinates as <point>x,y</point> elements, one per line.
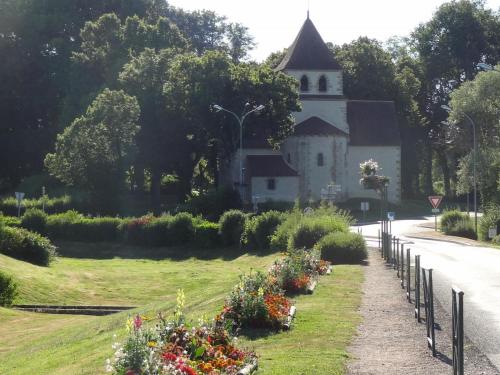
<point>96,149</point>
<point>459,35</point>
<point>478,100</point>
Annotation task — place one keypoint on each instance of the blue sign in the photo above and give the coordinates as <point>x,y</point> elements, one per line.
<point>391,216</point>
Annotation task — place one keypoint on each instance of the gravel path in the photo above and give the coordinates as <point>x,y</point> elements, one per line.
<point>390,341</point>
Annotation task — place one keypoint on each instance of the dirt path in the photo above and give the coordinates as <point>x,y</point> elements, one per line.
<point>390,341</point>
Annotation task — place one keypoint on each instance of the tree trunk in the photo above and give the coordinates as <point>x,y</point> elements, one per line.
<point>138,177</point>
<point>155,190</point>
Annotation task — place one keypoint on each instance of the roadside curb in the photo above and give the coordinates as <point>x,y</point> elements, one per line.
<point>439,240</point>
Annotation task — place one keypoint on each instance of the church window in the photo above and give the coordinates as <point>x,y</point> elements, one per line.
<point>322,84</point>
<point>320,160</point>
<point>271,184</point>
<point>304,83</point>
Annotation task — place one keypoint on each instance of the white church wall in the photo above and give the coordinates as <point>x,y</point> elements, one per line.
<point>388,158</point>
<point>304,153</point>
<point>332,111</point>
<point>334,84</point>
<point>286,189</point>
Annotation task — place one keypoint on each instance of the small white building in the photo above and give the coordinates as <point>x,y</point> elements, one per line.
<point>332,135</point>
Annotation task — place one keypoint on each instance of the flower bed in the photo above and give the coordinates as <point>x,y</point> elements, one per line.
<point>172,347</point>
<point>298,271</point>
<point>256,302</point>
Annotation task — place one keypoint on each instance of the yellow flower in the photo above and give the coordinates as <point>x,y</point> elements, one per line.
<point>152,344</point>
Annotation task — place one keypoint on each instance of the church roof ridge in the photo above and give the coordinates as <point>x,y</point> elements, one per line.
<point>309,51</point>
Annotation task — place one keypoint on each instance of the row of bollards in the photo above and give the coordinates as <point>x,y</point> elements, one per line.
<point>392,250</point>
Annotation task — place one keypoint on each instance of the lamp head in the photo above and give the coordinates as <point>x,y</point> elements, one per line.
<point>216,107</point>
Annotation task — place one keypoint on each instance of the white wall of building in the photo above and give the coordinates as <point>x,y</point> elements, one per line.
<point>286,189</point>
<point>332,111</point>
<point>388,158</point>
<point>334,84</point>
<point>304,152</point>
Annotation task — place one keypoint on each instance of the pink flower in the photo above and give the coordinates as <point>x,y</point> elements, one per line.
<point>137,322</point>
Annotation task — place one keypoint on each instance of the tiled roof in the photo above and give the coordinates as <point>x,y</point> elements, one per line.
<point>316,126</point>
<point>372,123</point>
<point>309,51</point>
<point>268,166</point>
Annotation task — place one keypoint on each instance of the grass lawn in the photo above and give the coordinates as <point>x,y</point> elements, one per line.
<point>62,344</point>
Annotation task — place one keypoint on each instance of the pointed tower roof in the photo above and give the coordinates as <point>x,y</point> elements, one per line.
<point>309,51</point>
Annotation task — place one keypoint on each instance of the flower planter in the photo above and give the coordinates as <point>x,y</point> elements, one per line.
<point>290,317</point>
<point>312,285</point>
<point>249,368</point>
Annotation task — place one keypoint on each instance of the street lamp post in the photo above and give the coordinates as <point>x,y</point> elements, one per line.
<point>448,109</point>
<point>240,120</point>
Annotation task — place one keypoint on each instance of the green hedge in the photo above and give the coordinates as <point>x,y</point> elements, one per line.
<point>341,248</point>
<point>450,218</point>
<point>20,243</point>
<point>8,290</point>
<point>314,228</point>
<point>52,205</point>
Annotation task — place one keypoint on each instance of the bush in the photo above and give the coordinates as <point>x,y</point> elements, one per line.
<point>206,234</point>
<point>490,218</point>
<point>35,220</point>
<point>313,228</point>
<point>52,205</point>
<point>181,228</point>
<point>270,205</point>
<point>259,229</point>
<point>59,225</point>
<point>342,247</point>
<point>8,290</point>
<point>9,221</point>
<point>231,227</point>
<point>449,219</point>
<point>496,239</point>
<point>24,245</point>
<point>134,230</point>
<point>463,228</point>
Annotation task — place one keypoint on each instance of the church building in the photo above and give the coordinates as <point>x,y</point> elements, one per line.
<point>332,136</point>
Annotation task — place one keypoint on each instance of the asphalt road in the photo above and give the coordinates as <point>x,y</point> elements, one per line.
<point>475,270</point>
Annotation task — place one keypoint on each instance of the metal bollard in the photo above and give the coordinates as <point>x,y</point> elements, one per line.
<point>417,287</point>
<point>408,275</point>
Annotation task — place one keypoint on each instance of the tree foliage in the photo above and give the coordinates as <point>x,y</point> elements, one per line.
<point>96,148</point>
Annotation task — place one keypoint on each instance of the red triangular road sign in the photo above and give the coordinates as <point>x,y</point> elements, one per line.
<point>435,200</point>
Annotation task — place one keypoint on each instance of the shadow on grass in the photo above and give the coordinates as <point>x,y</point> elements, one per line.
<point>112,250</point>
<point>258,333</point>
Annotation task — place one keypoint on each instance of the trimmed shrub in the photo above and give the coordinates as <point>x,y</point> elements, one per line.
<point>10,221</point>
<point>496,239</point>
<point>24,245</point>
<point>207,234</point>
<point>449,219</point>
<point>259,229</point>
<point>313,228</point>
<point>35,220</point>
<point>463,228</point>
<point>52,205</point>
<point>281,206</point>
<point>490,218</point>
<point>342,247</point>
<point>59,225</point>
<point>181,228</point>
<point>231,227</point>
<point>8,290</point>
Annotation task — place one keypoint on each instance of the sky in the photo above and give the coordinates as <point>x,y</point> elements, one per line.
<point>275,23</point>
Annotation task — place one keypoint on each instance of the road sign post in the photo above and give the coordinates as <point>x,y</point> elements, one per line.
<point>435,201</point>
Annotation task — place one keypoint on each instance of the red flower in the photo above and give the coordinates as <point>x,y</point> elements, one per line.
<point>186,369</point>
<point>137,322</point>
<point>169,357</point>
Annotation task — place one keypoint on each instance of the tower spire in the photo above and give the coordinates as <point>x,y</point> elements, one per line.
<point>308,6</point>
